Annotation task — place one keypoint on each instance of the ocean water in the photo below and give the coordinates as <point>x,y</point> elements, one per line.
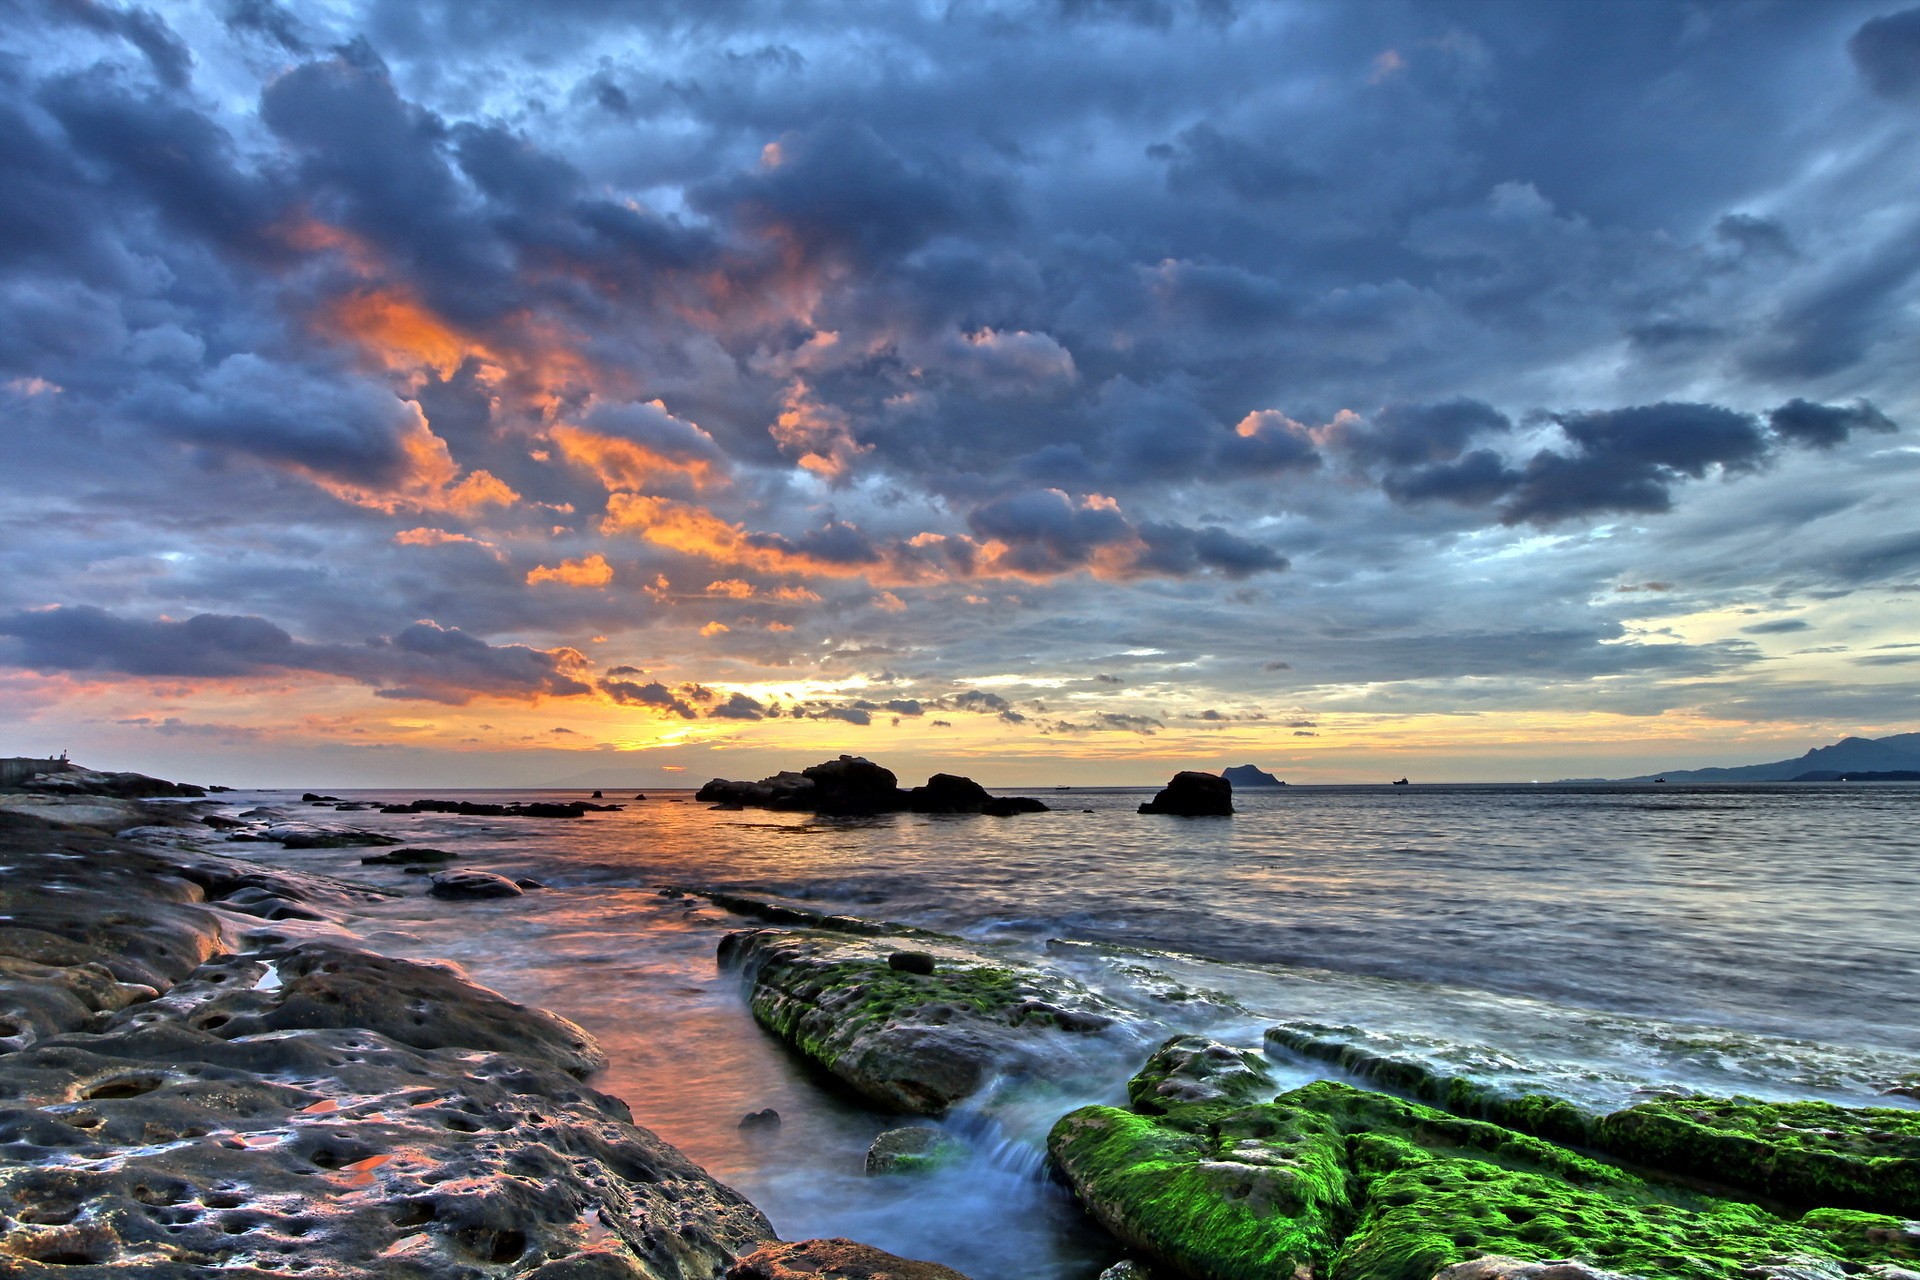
<point>1598,941</point>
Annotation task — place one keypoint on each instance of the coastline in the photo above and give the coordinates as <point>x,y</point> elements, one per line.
<point>220,1073</point>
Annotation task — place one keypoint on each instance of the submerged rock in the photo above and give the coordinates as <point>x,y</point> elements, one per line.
<point>299,835</point>
<point>1333,1180</point>
<point>764,1119</point>
<point>841,1259</point>
<point>916,1149</point>
<point>408,858</point>
<point>473,884</point>
<point>1193,795</point>
<point>909,1041</point>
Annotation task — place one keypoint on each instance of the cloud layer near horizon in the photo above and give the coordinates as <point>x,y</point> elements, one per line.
<point>1155,369</point>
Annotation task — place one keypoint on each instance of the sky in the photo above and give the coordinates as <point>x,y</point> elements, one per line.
<point>472,392</point>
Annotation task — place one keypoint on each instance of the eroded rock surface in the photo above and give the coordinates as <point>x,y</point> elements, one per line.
<point>918,1042</point>
<point>188,1089</point>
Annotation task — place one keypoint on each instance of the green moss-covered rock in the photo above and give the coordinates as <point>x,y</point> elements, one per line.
<point>916,1042</point>
<point>1809,1153</point>
<point>1865,1237</point>
<point>1331,1180</point>
<point>1189,1069</point>
<point>1540,1114</point>
<point>1219,1192</point>
<point>1800,1153</point>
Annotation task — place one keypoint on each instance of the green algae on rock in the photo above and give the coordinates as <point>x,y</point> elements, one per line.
<point>1800,1153</point>
<point>1357,1185</point>
<point>914,1042</point>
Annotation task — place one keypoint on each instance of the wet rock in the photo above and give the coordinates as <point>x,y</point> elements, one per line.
<point>920,962</point>
<point>918,1043</point>
<point>298,835</point>
<point>1801,1153</point>
<point>1193,795</point>
<point>1330,1179</point>
<point>1126,1269</point>
<point>853,785</point>
<point>761,1120</point>
<point>916,1149</point>
<point>301,1109</point>
<point>472,885</point>
<point>313,798</point>
<point>1008,806</point>
<point>476,809</point>
<point>527,882</point>
<point>1498,1268</point>
<point>408,858</point>
<point>1193,1069</point>
<point>841,1259</point>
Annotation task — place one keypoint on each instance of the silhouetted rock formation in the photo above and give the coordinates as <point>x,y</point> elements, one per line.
<point>63,777</point>
<point>1193,795</point>
<point>853,785</point>
<point>1250,775</point>
<point>470,809</point>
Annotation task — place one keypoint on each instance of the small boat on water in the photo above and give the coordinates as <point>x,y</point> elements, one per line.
<point>1401,782</point>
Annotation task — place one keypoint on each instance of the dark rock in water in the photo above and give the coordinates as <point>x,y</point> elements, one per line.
<point>528,882</point>
<point>949,793</point>
<point>408,858</point>
<point>297,835</point>
<point>840,1259</point>
<point>474,809</point>
<point>473,884</point>
<point>311,798</point>
<point>639,795</point>
<point>1248,775</point>
<point>1126,1269</point>
<point>1193,795</point>
<point>220,823</point>
<point>597,795</point>
<point>851,786</point>
<point>912,1042</point>
<point>920,962</point>
<point>765,1118</point>
<point>916,1149</point>
<point>1007,806</point>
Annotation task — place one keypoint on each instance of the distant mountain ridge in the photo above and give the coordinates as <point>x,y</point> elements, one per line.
<point>1895,754</point>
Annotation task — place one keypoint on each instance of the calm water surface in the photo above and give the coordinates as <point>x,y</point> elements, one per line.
<point>1591,939</point>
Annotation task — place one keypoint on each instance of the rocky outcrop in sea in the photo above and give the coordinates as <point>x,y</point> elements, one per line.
<point>852,786</point>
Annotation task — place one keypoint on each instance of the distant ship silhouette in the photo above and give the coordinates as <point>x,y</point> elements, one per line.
<point>1401,782</point>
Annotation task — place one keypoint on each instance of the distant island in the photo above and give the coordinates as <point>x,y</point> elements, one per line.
<point>1250,775</point>
<point>1890,759</point>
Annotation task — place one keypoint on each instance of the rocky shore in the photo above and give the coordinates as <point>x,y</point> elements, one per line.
<point>204,1071</point>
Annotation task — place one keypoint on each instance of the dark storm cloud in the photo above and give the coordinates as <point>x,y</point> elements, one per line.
<point>1823,426</point>
<point>140,27</point>
<point>1887,51</point>
<point>1130,290</point>
<point>423,661</point>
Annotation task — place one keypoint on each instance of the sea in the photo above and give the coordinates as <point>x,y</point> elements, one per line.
<point>1603,942</point>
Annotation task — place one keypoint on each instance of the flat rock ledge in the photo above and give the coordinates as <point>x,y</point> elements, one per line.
<point>1211,1176</point>
<point>868,1011</point>
<point>838,1258</point>
<point>190,1085</point>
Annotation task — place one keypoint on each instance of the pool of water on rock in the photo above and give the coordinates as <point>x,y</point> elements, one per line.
<point>1734,939</point>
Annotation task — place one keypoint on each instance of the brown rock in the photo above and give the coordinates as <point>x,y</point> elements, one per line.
<point>841,1259</point>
